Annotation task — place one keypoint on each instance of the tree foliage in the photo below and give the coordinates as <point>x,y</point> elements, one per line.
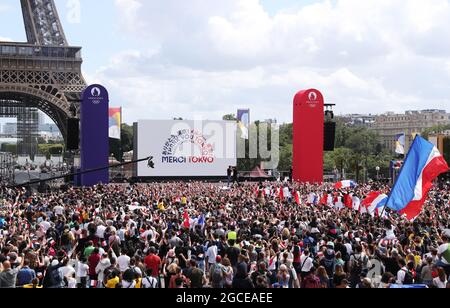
<point>119,147</point>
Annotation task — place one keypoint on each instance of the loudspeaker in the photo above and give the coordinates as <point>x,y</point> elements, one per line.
<point>330,136</point>
<point>73,134</point>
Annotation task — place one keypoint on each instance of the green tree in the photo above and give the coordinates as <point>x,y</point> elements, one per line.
<point>50,149</point>
<point>9,148</point>
<point>125,144</point>
<point>229,117</point>
<point>439,129</point>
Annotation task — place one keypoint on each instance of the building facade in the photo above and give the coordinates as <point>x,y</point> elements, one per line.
<point>357,120</point>
<point>390,125</point>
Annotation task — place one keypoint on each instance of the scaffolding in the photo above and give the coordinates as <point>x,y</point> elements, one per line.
<point>7,165</point>
<point>27,125</point>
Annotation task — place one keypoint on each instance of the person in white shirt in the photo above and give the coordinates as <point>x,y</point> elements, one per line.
<point>67,270</point>
<point>101,267</point>
<point>128,285</point>
<point>349,248</point>
<point>440,281</point>
<point>148,234</point>
<point>149,282</point>
<point>442,253</point>
<point>211,255</point>
<point>123,261</point>
<point>122,233</point>
<point>45,225</point>
<point>59,210</point>
<point>82,272</point>
<point>100,233</point>
<point>306,264</point>
<point>71,283</point>
<point>401,274</point>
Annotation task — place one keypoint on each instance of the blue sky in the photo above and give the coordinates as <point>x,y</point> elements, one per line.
<point>97,32</point>
<point>202,58</point>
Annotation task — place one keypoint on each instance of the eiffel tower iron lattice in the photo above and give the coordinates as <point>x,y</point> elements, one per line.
<point>43,73</point>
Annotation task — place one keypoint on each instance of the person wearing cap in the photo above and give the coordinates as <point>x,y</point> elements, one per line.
<point>217,274</point>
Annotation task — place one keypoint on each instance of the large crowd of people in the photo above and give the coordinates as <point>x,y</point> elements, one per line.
<point>203,235</point>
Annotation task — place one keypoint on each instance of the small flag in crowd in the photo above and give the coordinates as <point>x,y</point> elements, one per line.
<point>423,164</point>
<point>298,199</point>
<point>345,184</point>
<point>356,203</point>
<point>115,123</point>
<point>348,201</point>
<point>375,200</point>
<point>281,194</point>
<point>187,220</point>
<point>324,200</point>
<point>243,117</point>
<point>400,144</point>
<point>201,220</point>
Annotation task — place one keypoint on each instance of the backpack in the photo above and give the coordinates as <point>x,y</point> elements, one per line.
<point>65,239</point>
<point>217,274</point>
<point>56,278</point>
<point>153,283</point>
<point>357,266</point>
<point>129,275</point>
<point>328,262</point>
<point>409,278</point>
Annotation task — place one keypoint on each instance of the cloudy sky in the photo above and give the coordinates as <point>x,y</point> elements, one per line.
<point>202,58</point>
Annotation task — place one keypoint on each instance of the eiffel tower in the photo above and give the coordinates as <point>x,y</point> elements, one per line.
<point>43,73</point>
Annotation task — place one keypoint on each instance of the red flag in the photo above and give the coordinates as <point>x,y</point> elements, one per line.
<point>324,200</point>
<point>348,202</point>
<point>186,223</point>
<point>281,194</point>
<point>335,198</point>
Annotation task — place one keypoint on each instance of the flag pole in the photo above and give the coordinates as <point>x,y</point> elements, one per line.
<point>396,180</point>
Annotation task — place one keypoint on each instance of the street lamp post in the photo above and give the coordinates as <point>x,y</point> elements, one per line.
<point>378,172</point>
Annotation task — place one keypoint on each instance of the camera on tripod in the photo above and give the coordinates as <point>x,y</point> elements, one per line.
<point>150,163</point>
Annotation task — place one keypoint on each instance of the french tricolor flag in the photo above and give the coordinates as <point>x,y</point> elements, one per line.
<point>422,166</point>
<point>298,198</point>
<point>374,202</point>
<point>345,184</point>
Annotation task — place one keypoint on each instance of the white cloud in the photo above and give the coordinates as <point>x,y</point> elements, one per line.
<point>214,56</point>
